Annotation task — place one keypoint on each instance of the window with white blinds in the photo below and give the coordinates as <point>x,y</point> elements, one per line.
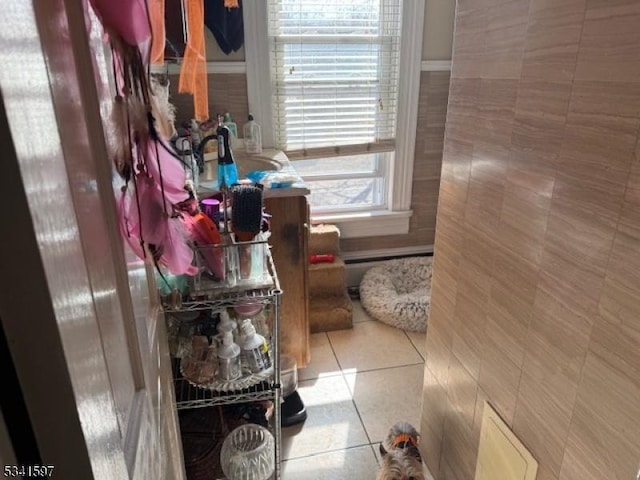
<point>334,75</point>
<point>335,85</point>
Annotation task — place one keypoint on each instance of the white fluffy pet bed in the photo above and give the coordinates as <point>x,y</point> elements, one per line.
<point>398,292</point>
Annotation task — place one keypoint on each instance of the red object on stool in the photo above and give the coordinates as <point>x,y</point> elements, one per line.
<point>321,258</point>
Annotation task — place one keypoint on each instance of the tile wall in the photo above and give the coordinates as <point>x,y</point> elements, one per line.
<point>536,288</point>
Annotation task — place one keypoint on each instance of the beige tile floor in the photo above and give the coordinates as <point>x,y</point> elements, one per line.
<point>359,383</point>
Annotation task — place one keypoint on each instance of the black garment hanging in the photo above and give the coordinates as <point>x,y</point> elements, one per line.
<point>226,24</point>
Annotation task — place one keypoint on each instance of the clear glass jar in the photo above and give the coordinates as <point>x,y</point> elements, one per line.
<point>248,453</point>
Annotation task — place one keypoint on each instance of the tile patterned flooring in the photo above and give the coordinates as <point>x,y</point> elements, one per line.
<point>358,384</point>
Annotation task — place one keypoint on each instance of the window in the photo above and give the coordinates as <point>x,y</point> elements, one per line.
<point>332,76</point>
<point>334,72</point>
<point>348,183</point>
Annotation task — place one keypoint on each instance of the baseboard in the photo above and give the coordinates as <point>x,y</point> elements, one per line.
<point>357,263</point>
<point>385,253</point>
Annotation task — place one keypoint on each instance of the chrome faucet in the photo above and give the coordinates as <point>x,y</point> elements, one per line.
<point>199,154</point>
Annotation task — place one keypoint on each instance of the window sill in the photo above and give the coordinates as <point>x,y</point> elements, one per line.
<point>367,224</point>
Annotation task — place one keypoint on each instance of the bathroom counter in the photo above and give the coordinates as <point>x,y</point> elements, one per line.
<point>297,188</point>
<point>273,161</point>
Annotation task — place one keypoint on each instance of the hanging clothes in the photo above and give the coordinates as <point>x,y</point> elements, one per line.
<point>193,74</point>
<point>225,23</point>
<point>156,18</point>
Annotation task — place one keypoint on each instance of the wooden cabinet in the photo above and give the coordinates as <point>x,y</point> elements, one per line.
<point>289,240</point>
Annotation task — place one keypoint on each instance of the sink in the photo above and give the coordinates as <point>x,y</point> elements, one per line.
<point>244,163</point>
<point>270,160</point>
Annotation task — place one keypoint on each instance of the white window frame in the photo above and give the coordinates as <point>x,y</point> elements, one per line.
<point>395,218</point>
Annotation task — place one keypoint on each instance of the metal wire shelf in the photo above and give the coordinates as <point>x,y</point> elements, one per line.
<point>218,299</point>
<point>189,396</point>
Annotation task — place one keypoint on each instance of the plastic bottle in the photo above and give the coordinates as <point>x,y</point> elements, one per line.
<point>228,358</point>
<point>255,349</point>
<point>241,330</point>
<point>231,124</point>
<point>227,169</point>
<point>227,325</point>
<point>252,136</point>
<point>260,323</point>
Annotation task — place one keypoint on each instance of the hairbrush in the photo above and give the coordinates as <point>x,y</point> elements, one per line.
<point>246,221</point>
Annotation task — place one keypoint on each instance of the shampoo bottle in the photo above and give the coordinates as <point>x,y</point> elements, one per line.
<point>252,136</point>
<point>255,349</point>
<point>228,358</point>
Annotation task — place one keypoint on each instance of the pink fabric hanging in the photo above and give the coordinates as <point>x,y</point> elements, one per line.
<point>154,177</point>
<point>127,18</point>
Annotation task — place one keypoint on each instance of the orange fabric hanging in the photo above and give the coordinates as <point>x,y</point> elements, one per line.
<point>193,74</point>
<point>156,18</point>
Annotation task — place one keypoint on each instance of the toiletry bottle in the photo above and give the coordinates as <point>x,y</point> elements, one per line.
<point>243,328</point>
<point>228,358</point>
<point>255,349</point>
<point>227,325</point>
<point>231,124</point>
<point>227,170</point>
<point>252,136</point>
<point>261,324</point>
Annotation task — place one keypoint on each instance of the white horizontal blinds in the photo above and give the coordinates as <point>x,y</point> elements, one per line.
<point>335,68</point>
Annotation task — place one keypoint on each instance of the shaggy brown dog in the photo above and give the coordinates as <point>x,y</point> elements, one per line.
<point>401,458</point>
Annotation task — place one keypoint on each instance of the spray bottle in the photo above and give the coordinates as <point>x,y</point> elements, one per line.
<point>255,349</point>
<point>228,358</point>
